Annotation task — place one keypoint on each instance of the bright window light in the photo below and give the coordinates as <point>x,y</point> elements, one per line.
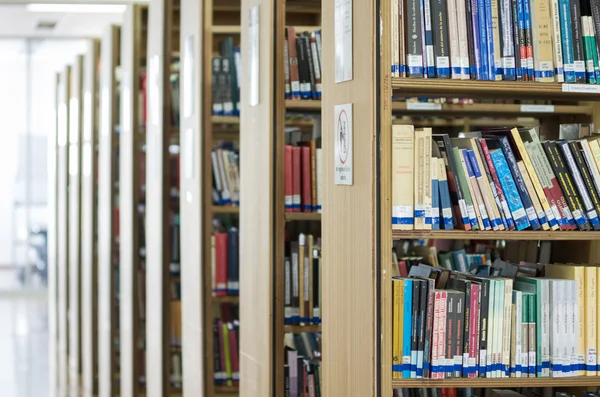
<point>84,8</point>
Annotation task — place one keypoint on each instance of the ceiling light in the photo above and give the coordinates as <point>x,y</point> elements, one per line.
<point>80,8</point>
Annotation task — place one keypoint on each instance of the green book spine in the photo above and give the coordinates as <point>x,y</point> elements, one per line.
<point>227,355</point>
<point>463,182</point>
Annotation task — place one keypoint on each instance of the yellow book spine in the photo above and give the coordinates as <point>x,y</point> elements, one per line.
<point>398,327</point>
<point>537,186</point>
<point>595,148</point>
<point>591,319</point>
<point>403,169</point>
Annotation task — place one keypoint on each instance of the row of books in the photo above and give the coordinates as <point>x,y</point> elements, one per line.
<point>302,275</point>
<point>226,335</point>
<point>302,64</point>
<point>500,180</point>
<point>226,69</point>
<point>302,368</point>
<point>471,392</point>
<point>498,325</point>
<point>225,261</point>
<point>523,40</point>
<point>226,175</point>
<point>303,177</point>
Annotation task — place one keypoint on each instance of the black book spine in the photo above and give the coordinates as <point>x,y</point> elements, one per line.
<point>287,301</point>
<point>414,48</point>
<point>517,40</point>
<point>483,326</point>
<point>233,282</point>
<point>456,195</point>
<point>565,182</point>
<point>588,184</point>
<point>472,68</point>
<point>428,328</point>
<point>311,70</point>
<point>595,9</point>
<point>578,54</point>
<point>301,370</point>
<point>450,337</point>
<point>422,326</point>
<point>414,345</point>
<point>217,353</point>
<point>459,314</point>
<point>303,69</point>
<point>286,381</point>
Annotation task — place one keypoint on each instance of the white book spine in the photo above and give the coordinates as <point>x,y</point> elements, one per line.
<point>507,328</point>
<point>454,39</point>
<point>518,333</point>
<point>499,332</point>
<point>463,43</point>
<point>490,330</point>
<point>574,329</point>
<point>395,56</point>
<point>556,42</point>
<point>546,326</point>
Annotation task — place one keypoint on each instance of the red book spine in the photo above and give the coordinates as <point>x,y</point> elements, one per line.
<point>494,174</point>
<point>306,188</point>
<point>289,190</point>
<point>296,178</point>
<point>473,334</point>
<point>233,351</point>
<point>561,203</point>
<point>221,264</point>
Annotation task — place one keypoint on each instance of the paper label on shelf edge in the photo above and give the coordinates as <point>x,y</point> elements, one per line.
<point>343,144</point>
<point>537,108</point>
<point>343,40</point>
<point>591,88</point>
<point>423,106</point>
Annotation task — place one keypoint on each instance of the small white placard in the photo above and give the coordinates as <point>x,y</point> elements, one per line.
<point>253,50</point>
<point>423,106</point>
<point>537,108</point>
<point>343,144</point>
<point>190,151</point>
<point>591,88</point>
<point>343,40</point>
<point>189,83</point>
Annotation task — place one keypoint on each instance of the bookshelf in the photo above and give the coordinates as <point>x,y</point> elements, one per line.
<point>89,221</point>
<point>74,216</point>
<point>62,227</point>
<point>363,235</point>
<point>162,198</point>
<point>131,167</point>
<point>107,221</point>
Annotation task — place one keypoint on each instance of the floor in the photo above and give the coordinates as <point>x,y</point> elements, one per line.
<point>23,340</point>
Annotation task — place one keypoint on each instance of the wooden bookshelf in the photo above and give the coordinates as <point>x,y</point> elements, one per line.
<point>295,329</point>
<point>62,229</point>
<point>74,219</point>
<point>302,216</point>
<point>581,381</point>
<point>161,131</point>
<point>89,221</point>
<point>131,139</point>
<point>493,235</point>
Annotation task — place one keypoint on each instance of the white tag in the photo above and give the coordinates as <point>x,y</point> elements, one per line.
<point>537,108</point>
<point>446,212</point>
<point>415,60</point>
<point>443,62</point>
<point>520,213</point>
<point>295,86</point>
<point>531,214</point>
<point>591,88</point>
<point>423,106</point>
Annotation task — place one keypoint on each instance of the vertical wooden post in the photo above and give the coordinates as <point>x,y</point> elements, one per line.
<point>63,229</point>
<point>107,303</point>
<point>131,139</point>
<point>257,209</point>
<point>193,116</point>
<point>157,198</point>
<point>89,192</point>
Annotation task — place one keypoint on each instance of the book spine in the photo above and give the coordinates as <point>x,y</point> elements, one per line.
<point>508,45</point>
<point>429,48</point>
<point>401,40</point>
<point>522,40</point>
<point>428,329</point>
<point>592,30</point>
<point>464,183</point>
<point>474,331</point>
<point>510,223</point>
<point>441,40</point>
<point>566,34</point>
<point>414,349</point>
<point>293,62</point>
<point>483,187</point>
<point>559,71</point>
<point>483,39</point>
<point>435,195</point>
<point>508,185</point>
<point>403,142</point>
<point>463,43</point>
<point>422,326</point>
<point>407,329</point>
<point>466,345</point>
<point>435,336</point>
<point>507,313</point>
<point>306,182</point>
<point>529,34</point>
<point>289,207</point>
<point>525,335</point>
<point>319,166</point>
<point>578,45</point>
<point>481,208</point>
<point>493,36</point>
<point>304,68</point>
<point>423,40</point>
<point>589,53</point>
<point>534,199</point>
<point>286,70</point>
<point>460,206</point>
<point>514,7</point>
<point>459,334</point>
<point>491,351</point>
<point>588,182</point>
<point>450,335</point>
<point>453,34</point>
<point>446,204</point>
<point>317,67</point>
<point>414,48</point>
<point>483,327</point>
<point>472,54</point>
<point>542,31</point>
<point>398,298</point>
<point>475,23</point>
<point>395,46</point>
<point>533,341</point>
<point>442,335</point>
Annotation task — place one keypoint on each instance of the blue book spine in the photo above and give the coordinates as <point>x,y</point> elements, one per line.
<point>490,40</point>
<point>435,203</point>
<point>566,36</point>
<point>521,24</point>
<point>482,210</point>
<point>527,21</point>
<point>476,40</point>
<point>406,335</point>
<point>495,222</point>
<point>460,260</point>
<point>485,67</point>
<point>508,44</point>
<point>429,49</point>
<point>510,190</point>
<point>521,188</point>
<point>446,205</point>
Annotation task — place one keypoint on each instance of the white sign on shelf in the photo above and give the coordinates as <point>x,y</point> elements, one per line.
<point>343,40</point>
<point>423,106</point>
<point>594,89</point>
<point>253,51</point>
<point>537,108</point>
<point>343,144</point>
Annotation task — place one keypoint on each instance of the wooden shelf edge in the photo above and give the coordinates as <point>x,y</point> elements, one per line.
<point>497,383</point>
<point>302,216</point>
<point>485,89</point>
<point>492,109</point>
<point>492,235</point>
<point>229,390</point>
<point>225,299</point>
<point>226,29</point>
<point>301,328</point>
<point>308,104</point>
<point>225,209</point>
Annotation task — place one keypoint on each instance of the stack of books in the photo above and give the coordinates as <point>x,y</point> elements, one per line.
<point>498,180</point>
<point>225,262</point>
<point>226,175</point>
<point>226,80</point>
<point>302,369</point>
<point>303,177</point>
<point>302,64</point>
<point>226,331</point>
<point>518,40</point>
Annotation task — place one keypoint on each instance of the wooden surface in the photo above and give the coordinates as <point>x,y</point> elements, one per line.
<point>349,223</point>
<point>63,228</point>
<point>302,216</point>
<point>89,222</point>
<point>495,235</point>
<point>582,381</point>
<point>192,196</point>
<point>256,213</point>
<point>52,246</point>
<point>490,110</point>
<point>107,303</point>
<point>75,135</point>
<point>157,218</point>
<point>131,138</point>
